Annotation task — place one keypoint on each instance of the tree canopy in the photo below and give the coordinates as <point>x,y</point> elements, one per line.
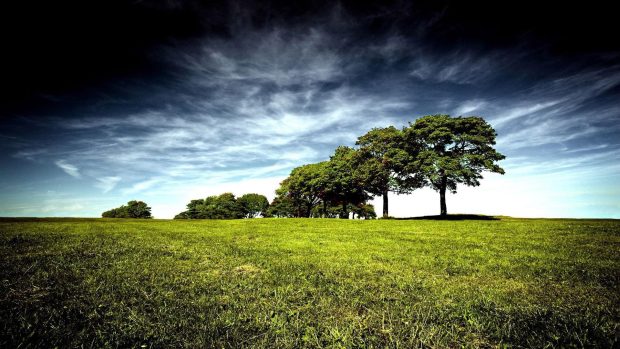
<point>447,151</point>
<point>380,160</point>
<point>226,206</point>
<point>305,187</point>
<point>343,185</point>
<point>133,209</point>
<point>253,205</point>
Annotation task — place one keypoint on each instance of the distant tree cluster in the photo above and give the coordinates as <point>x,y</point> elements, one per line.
<point>436,151</point>
<point>226,206</point>
<point>133,209</point>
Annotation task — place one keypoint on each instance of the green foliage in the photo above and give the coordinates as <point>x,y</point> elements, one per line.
<point>253,205</point>
<point>447,151</point>
<point>305,187</point>
<point>363,210</point>
<point>301,283</point>
<point>133,209</point>
<point>227,207</point>
<point>436,151</point>
<point>281,207</point>
<point>224,206</point>
<point>315,190</point>
<point>343,185</point>
<point>381,159</point>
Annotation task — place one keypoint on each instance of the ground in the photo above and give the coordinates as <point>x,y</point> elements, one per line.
<point>294,283</point>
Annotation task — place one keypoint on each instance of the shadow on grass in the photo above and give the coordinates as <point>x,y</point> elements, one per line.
<point>454,217</point>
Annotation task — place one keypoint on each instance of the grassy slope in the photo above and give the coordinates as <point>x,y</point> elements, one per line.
<point>309,283</point>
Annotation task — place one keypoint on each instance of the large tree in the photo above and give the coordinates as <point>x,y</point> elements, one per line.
<point>448,151</point>
<point>380,158</point>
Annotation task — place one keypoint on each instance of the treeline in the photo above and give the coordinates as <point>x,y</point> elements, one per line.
<point>227,206</point>
<point>436,151</point>
<point>133,209</point>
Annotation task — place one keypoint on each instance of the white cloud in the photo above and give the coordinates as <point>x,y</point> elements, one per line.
<point>460,67</point>
<point>520,111</point>
<point>69,169</point>
<point>141,186</point>
<point>107,183</point>
<point>469,106</point>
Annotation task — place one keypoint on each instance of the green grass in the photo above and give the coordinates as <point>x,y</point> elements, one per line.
<point>309,283</point>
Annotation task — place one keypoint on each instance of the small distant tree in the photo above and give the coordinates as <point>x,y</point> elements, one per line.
<point>227,207</point>
<point>222,206</point>
<point>182,215</point>
<point>253,205</point>
<point>133,209</point>
<point>195,209</point>
<point>120,212</point>
<point>281,207</point>
<point>138,209</point>
<point>363,210</point>
<point>447,151</point>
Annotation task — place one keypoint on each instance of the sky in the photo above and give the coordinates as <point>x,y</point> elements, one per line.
<point>167,101</point>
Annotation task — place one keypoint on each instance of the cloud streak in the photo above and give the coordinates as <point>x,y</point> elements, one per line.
<point>69,169</point>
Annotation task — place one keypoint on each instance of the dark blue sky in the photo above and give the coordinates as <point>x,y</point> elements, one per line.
<point>107,101</point>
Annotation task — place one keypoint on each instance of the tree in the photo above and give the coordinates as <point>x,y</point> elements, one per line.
<point>253,205</point>
<point>381,157</point>
<point>138,209</point>
<point>223,206</point>
<point>227,207</point>
<point>363,210</point>
<point>134,209</point>
<point>447,151</point>
<point>195,209</point>
<point>119,212</point>
<point>304,187</point>
<point>182,215</point>
<point>281,207</point>
<point>342,185</point>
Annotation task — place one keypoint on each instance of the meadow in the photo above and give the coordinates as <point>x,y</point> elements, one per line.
<point>293,283</point>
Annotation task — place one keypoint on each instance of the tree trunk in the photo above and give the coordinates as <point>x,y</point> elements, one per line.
<point>385,204</point>
<point>324,209</point>
<point>442,197</point>
<point>345,214</point>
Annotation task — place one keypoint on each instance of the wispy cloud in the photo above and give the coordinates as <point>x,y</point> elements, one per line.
<point>69,169</point>
<point>469,106</point>
<point>107,183</point>
<point>460,67</point>
<point>141,186</point>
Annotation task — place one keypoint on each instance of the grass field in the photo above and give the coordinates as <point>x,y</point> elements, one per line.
<point>309,283</point>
